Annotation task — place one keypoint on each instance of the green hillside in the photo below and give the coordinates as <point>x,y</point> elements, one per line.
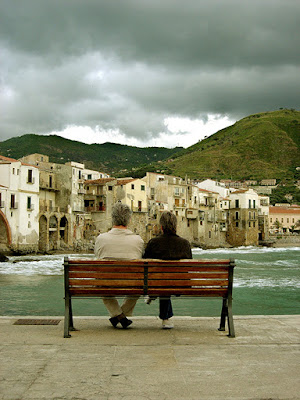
<point>108,157</point>
<point>265,145</point>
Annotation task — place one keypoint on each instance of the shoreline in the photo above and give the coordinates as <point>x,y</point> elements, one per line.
<point>4,257</point>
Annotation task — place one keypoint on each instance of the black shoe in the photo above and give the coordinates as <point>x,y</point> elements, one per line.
<point>125,322</point>
<point>114,321</point>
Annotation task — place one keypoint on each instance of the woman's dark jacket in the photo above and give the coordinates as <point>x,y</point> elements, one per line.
<point>168,247</point>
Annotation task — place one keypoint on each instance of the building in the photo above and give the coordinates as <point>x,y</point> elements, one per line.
<point>284,218</point>
<point>243,229</point>
<point>19,201</point>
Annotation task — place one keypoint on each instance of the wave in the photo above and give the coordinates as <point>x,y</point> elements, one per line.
<point>36,265</point>
<point>244,250</point>
<point>267,282</point>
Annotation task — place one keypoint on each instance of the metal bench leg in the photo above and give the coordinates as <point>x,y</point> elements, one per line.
<point>224,314</point>
<point>230,319</point>
<point>68,317</point>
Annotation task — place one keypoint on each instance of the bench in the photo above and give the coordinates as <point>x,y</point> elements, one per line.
<point>192,278</point>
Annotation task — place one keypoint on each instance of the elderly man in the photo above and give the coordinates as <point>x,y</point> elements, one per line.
<point>119,243</point>
<point>168,246</point>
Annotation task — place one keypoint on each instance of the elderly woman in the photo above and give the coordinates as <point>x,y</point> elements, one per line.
<point>168,246</point>
<point>119,243</point>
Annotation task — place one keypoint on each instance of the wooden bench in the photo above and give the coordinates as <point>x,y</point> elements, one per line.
<point>192,278</point>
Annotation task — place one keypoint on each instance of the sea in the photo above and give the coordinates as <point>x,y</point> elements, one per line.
<point>266,282</point>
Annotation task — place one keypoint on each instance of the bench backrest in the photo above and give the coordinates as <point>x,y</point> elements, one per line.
<point>152,277</point>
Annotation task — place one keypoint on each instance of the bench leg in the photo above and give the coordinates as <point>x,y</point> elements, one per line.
<point>230,319</point>
<point>224,314</point>
<point>68,318</point>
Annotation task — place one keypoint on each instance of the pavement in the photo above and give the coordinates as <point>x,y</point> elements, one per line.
<point>192,361</point>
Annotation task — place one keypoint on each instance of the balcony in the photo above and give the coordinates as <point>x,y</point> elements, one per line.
<point>46,186</point>
<point>14,206</point>
<point>191,213</point>
<point>30,207</point>
<point>31,181</point>
<point>2,204</point>
<point>95,208</point>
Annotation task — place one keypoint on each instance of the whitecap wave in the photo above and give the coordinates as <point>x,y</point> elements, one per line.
<point>244,250</point>
<point>267,282</point>
<point>37,265</point>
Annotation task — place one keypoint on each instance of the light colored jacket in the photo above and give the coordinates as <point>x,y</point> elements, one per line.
<point>119,243</point>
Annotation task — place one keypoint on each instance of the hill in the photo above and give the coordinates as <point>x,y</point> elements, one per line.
<point>108,157</point>
<point>265,145</point>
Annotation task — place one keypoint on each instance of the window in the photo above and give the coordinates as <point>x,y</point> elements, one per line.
<point>176,191</point>
<point>30,177</point>
<point>237,215</point>
<point>253,203</point>
<point>293,220</point>
<point>253,224</point>
<point>249,214</point>
<point>89,176</point>
<point>50,181</point>
<point>249,224</point>
<point>12,201</point>
<point>249,203</point>
<point>28,203</point>
<point>271,219</point>
<point>237,224</point>
<point>140,206</point>
<point>132,186</point>
<point>79,174</point>
<point>110,188</point>
<point>287,220</point>
<point>13,171</point>
<point>142,187</point>
<point>237,203</point>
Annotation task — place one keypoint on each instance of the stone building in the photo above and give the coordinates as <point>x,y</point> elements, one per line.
<point>243,218</point>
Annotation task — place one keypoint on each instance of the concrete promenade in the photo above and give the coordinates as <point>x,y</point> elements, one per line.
<point>192,361</point>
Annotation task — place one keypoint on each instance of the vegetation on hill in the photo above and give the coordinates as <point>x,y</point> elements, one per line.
<point>265,145</point>
<point>115,159</point>
<point>260,146</point>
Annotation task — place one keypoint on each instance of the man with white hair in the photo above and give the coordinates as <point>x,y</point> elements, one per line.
<point>119,243</point>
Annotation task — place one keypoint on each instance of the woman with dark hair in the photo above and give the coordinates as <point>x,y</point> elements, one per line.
<point>119,243</point>
<point>168,246</point>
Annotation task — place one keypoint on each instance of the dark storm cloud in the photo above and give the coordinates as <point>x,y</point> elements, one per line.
<point>129,64</point>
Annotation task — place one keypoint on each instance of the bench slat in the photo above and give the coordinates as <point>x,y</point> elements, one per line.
<point>105,268</point>
<point>106,275</point>
<point>185,268</point>
<point>115,292</point>
<point>180,282</point>
<point>187,275</point>
<point>146,261</point>
<point>202,292</point>
<point>107,282</point>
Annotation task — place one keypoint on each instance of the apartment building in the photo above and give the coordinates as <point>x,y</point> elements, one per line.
<point>243,226</point>
<point>284,218</point>
<point>98,201</point>
<point>19,201</point>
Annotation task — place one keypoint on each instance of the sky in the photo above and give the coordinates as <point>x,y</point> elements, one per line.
<point>144,72</point>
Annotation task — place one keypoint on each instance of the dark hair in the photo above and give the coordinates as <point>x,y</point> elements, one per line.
<point>168,222</point>
<point>121,214</point>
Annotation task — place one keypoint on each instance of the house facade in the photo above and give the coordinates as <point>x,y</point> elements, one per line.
<point>19,199</point>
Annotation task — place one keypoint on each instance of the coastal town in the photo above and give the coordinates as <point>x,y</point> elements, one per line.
<point>46,207</point>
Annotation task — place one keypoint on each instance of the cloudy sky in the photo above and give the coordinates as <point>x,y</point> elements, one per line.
<point>144,72</point>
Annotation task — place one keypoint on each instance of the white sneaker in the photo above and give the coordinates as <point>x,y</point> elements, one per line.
<point>167,324</point>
